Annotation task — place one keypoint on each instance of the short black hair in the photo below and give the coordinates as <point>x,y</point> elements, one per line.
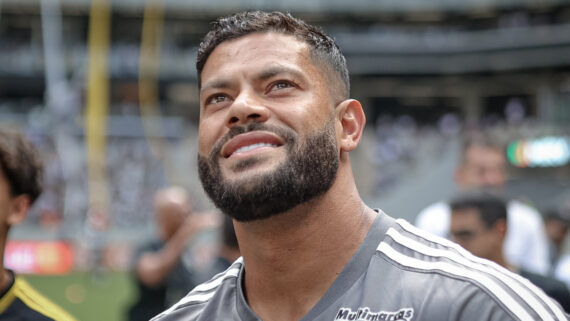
<point>561,215</point>
<point>322,47</point>
<point>491,208</point>
<point>21,165</point>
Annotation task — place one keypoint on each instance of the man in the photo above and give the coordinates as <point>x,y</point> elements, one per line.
<point>21,175</point>
<point>161,276</point>
<point>483,165</point>
<point>556,222</point>
<point>479,224</point>
<point>276,128</point>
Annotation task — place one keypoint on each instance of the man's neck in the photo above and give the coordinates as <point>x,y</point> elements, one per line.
<point>500,259</point>
<point>293,258</point>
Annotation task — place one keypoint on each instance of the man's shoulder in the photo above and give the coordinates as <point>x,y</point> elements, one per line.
<point>23,302</point>
<point>547,283</point>
<point>425,265</point>
<point>213,293</point>
<point>553,287</point>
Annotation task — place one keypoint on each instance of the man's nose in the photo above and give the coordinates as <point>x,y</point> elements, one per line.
<point>247,107</point>
<point>494,177</point>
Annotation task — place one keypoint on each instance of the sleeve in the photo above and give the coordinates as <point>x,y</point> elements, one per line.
<point>474,304</point>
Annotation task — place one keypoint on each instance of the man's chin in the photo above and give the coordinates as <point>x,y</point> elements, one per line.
<point>247,183</point>
<point>245,164</point>
<point>249,171</point>
<point>490,189</point>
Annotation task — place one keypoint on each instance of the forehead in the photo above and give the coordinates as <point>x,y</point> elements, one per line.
<point>477,153</point>
<point>257,41</point>
<point>256,51</point>
<point>466,217</point>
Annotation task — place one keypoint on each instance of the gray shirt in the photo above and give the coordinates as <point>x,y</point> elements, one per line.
<point>399,273</point>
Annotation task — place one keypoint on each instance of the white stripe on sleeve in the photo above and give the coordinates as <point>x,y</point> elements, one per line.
<point>488,266</point>
<point>480,278</point>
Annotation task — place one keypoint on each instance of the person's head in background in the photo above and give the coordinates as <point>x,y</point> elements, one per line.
<point>479,224</point>
<point>482,164</point>
<point>229,238</point>
<point>21,181</point>
<point>556,223</point>
<point>171,208</point>
<point>229,249</point>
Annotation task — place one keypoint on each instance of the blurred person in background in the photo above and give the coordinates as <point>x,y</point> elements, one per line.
<point>162,277</point>
<point>21,182</point>
<point>556,222</point>
<point>483,165</point>
<point>94,238</point>
<point>479,223</point>
<point>275,134</point>
<point>228,251</point>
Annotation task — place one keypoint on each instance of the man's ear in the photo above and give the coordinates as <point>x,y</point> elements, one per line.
<point>18,209</point>
<point>500,228</point>
<point>352,120</point>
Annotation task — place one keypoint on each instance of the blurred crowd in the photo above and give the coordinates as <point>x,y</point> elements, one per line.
<point>401,144</point>
<point>176,234</point>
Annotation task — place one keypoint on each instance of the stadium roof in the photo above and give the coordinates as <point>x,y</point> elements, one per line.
<point>362,7</point>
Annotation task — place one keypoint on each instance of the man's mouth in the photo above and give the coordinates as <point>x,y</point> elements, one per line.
<point>252,147</point>
<point>247,142</point>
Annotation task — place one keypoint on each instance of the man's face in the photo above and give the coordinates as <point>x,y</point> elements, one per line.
<point>5,201</point>
<point>483,167</point>
<point>169,219</point>
<point>556,230</point>
<point>468,230</point>
<point>267,136</point>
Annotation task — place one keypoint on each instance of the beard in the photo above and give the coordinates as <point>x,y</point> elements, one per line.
<point>308,172</point>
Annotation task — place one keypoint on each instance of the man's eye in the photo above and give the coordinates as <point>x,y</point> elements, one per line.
<point>281,85</point>
<point>218,98</point>
<point>463,235</point>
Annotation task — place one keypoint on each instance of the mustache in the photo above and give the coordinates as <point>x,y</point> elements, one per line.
<point>287,134</point>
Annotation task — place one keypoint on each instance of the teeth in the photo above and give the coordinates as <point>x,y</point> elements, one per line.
<point>252,147</point>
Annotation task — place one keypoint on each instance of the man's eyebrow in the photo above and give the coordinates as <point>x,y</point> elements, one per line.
<point>215,84</point>
<point>262,75</point>
<point>274,71</point>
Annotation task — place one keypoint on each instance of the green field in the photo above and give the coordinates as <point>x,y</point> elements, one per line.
<point>104,298</point>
